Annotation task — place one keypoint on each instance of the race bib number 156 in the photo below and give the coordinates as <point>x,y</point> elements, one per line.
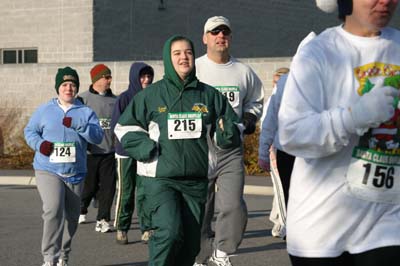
<point>374,176</point>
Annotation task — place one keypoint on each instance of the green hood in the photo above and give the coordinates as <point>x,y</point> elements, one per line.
<point>169,71</point>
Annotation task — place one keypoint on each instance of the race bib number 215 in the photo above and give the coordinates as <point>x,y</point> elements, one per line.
<point>184,125</point>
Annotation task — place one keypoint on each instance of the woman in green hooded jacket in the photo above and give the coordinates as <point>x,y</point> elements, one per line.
<point>168,128</point>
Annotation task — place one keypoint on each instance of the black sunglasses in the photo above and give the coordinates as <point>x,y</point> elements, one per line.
<point>225,32</point>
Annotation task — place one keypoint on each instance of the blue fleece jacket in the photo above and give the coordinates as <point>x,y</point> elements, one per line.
<point>46,123</point>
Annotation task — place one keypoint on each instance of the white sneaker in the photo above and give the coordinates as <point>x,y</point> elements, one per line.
<point>145,236</point>
<point>199,264</point>
<point>48,263</point>
<point>278,231</point>
<point>103,226</point>
<point>62,263</point>
<point>82,219</point>
<point>220,261</point>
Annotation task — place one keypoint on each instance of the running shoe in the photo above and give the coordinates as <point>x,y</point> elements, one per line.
<point>122,237</point>
<point>102,226</point>
<point>82,219</point>
<point>220,261</point>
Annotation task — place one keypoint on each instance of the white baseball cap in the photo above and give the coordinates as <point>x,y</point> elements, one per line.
<point>216,21</point>
<point>328,6</point>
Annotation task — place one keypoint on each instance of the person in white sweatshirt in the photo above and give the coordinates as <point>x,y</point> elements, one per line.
<point>244,91</point>
<point>344,204</point>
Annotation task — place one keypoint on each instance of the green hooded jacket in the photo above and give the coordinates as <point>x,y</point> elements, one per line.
<point>167,126</point>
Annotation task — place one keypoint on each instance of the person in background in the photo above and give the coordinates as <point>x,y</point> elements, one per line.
<point>101,176</point>
<point>167,128</point>
<point>245,93</point>
<point>269,140</point>
<point>140,76</point>
<point>344,203</point>
<point>271,156</point>
<point>59,132</point>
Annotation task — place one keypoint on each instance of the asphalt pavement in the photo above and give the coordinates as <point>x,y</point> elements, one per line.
<point>21,229</point>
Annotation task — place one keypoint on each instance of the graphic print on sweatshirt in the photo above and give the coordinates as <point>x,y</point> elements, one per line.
<point>374,171</point>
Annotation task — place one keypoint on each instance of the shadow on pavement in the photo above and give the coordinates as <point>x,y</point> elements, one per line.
<point>272,246</point>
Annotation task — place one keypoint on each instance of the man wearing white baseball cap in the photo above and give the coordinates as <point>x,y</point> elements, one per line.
<point>244,90</point>
<point>341,93</point>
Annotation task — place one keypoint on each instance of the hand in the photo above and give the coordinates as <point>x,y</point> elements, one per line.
<point>264,165</point>
<point>227,133</point>
<point>249,122</point>
<point>46,148</point>
<point>67,121</point>
<point>374,107</point>
<point>221,124</point>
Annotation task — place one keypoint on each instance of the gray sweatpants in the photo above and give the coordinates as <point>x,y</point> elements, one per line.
<point>61,205</point>
<point>228,200</point>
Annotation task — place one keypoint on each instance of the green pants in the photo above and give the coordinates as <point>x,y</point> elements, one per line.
<point>175,208</point>
<point>125,205</point>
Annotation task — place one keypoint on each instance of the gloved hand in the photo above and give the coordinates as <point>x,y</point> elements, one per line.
<point>227,133</point>
<point>372,109</point>
<point>46,148</point>
<point>77,124</point>
<point>249,122</point>
<point>67,121</point>
<point>264,165</point>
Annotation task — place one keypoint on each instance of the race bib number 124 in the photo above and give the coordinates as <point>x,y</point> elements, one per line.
<point>64,152</point>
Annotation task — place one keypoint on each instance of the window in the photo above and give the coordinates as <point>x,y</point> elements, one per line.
<point>19,56</point>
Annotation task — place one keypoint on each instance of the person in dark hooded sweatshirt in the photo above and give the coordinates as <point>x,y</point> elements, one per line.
<point>140,76</point>
<point>167,128</point>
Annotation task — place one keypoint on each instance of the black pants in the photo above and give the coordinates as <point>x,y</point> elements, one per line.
<point>100,183</point>
<point>285,166</point>
<point>386,256</point>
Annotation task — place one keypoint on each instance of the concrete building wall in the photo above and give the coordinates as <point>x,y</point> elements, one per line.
<point>81,33</point>
<point>137,29</point>
<point>61,30</point>
<point>25,87</point>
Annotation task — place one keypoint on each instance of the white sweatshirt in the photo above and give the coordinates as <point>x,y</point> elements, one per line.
<point>236,80</point>
<point>326,78</point>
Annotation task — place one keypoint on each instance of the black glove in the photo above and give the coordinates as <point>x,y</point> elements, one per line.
<point>46,148</point>
<point>249,122</point>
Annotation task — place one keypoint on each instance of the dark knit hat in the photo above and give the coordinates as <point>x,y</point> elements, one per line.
<point>345,8</point>
<point>67,74</point>
<point>98,71</point>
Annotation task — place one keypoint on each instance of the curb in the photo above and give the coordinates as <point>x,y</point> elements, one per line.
<point>30,181</point>
<point>18,180</point>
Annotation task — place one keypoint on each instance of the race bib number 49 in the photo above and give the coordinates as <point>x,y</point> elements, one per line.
<point>374,176</point>
<point>64,152</point>
<point>231,93</point>
<point>184,125</point>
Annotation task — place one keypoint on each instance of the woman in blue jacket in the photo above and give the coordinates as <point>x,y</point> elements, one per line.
<point>58,132</point>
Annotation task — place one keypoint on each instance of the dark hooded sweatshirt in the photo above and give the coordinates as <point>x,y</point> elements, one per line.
<point>144,129</point>
<point>125,97</point>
